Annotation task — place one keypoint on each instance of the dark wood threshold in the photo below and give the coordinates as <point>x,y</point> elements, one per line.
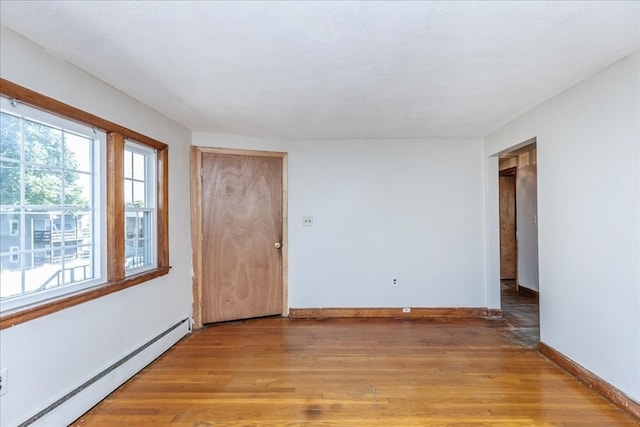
<point>529,293</point>
<point>593,381</point>
<point>330,313</point>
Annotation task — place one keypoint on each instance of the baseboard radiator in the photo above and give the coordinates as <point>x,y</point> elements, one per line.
<point>71,406</point>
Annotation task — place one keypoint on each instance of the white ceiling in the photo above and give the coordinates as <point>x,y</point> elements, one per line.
<point>327,70</point>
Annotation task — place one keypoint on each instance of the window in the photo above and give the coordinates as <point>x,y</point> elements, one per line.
<point>83,206</point>
<point>139,200</point>
<point>50,175</point>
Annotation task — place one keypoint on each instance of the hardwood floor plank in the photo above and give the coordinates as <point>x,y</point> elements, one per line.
<point>354,372</point>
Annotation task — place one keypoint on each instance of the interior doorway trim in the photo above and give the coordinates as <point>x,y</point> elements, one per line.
<point>196,223</point>
<point>511,173</point>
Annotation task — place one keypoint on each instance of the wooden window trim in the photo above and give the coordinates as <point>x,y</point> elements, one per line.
<point>115,247</point>
<point>115,206</point>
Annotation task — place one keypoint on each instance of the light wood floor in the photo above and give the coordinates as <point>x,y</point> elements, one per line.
<point>354,372</point>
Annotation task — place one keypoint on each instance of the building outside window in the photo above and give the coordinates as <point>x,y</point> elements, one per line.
<point>14,254</point>
<point>14,227</point>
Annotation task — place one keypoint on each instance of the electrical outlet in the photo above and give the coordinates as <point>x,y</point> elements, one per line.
<point>406,310</point>
<point>394,282</point>
<point>307,221</point>
<point>3,382</point>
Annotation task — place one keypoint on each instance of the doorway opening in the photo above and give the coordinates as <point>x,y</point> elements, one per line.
<point>519,289</point>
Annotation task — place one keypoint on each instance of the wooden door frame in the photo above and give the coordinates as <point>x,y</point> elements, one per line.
<point>511,172</point>
<point>196,222</point>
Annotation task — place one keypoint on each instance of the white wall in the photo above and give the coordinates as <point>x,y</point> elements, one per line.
<point>411,209</point>
<point>588,146</point>
<point>526,220</point>
<point>50,356</point>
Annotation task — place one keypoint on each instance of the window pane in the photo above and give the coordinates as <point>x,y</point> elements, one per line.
<point>139,166</point>
<point>10,136</point>
<point>84,225</point>
<point>139,214</point>
<point>78,189</point>
<point>139,195</point>
<point>60,242</point>
<point>11,274</point>
<point>138,251</point>
<point>131,226</point>
<point>42,186</point>
<point>43,268</point>
<point>128,193</point>
<point>42,144</point>
<point>10,262</point>
<point>14,227</point>
<point>9,183</point>
<point>48,243</point>
<point>77,152</point>
<point>78,270</point>
<point>128,164</point>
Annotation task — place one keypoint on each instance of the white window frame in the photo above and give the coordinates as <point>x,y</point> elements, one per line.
<point>99,204</point>
<point>150,203</point>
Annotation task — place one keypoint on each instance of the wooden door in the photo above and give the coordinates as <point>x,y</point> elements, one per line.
<point>241,227</point>
<point>508,239</point>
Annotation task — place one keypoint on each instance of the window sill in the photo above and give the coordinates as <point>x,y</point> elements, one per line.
<point>18,316</point>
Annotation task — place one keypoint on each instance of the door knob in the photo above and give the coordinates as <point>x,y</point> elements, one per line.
<point>277,245</point>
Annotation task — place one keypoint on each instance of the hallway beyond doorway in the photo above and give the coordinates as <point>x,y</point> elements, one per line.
<point>521,314</point>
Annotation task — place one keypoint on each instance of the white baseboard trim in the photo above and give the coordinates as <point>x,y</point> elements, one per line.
<point>74,404</point>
